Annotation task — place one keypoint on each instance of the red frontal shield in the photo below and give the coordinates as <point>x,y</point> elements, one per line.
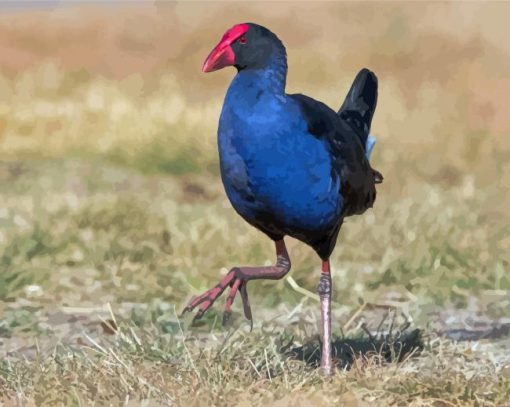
<point>222,55</point>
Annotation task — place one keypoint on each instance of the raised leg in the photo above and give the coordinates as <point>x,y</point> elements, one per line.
<point>324,290</point>
<point>237,279</point>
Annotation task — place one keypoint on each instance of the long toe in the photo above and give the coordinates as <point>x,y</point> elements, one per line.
<point>246,303</point>
<point>195,302</point>
<point>206,300</point>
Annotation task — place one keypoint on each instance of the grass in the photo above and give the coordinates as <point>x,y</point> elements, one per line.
<point>112,214</point>
<point>182,369</point>
<point>97,234</point>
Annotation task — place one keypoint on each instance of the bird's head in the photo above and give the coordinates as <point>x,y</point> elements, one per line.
<point>244,46</point>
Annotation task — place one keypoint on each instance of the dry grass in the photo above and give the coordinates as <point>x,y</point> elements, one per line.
<point>152,366</point>
<point>109,194</point>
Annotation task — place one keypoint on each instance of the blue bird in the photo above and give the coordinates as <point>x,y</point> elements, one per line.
<point>290,165</point>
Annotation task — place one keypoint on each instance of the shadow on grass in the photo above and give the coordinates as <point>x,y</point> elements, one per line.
<point>392,347</point>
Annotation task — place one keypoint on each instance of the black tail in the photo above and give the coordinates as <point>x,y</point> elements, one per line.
<point>359,105</point>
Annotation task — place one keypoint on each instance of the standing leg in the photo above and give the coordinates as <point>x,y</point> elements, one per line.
<point>324,290</point>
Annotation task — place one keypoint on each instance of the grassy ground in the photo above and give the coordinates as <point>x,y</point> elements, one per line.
<point>112,214</point>
<point>78,236</point>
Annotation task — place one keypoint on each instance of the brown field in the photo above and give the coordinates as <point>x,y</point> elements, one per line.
<point>111,207</point>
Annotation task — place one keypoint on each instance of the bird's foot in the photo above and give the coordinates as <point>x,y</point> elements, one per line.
<point>237,279</point>
<point>207,299</point>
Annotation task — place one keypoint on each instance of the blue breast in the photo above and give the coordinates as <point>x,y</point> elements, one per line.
<point>271,166</point>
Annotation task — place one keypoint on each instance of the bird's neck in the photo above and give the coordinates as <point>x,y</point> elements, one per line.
<point>270,79</point>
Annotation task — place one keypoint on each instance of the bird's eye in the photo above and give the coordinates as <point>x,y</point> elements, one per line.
<point>242,40</point>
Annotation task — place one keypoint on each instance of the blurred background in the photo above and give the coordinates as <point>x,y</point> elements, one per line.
<point>110,189</point>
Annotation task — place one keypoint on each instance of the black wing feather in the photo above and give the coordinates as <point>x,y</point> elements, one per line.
<point>347,153</point>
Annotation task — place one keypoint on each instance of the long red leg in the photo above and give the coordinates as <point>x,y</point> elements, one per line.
<point>324,290</point>
<point>237,278</point>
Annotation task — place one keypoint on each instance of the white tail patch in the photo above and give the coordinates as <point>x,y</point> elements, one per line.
<point>369,146</point>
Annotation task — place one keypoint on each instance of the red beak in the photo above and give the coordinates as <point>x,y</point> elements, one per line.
<point>223,55</point>
<point>220,57</point>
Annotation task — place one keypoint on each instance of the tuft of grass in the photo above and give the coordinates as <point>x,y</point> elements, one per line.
<point>392,347</point>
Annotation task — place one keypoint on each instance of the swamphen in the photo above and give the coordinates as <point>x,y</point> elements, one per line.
<point>290,164</point>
